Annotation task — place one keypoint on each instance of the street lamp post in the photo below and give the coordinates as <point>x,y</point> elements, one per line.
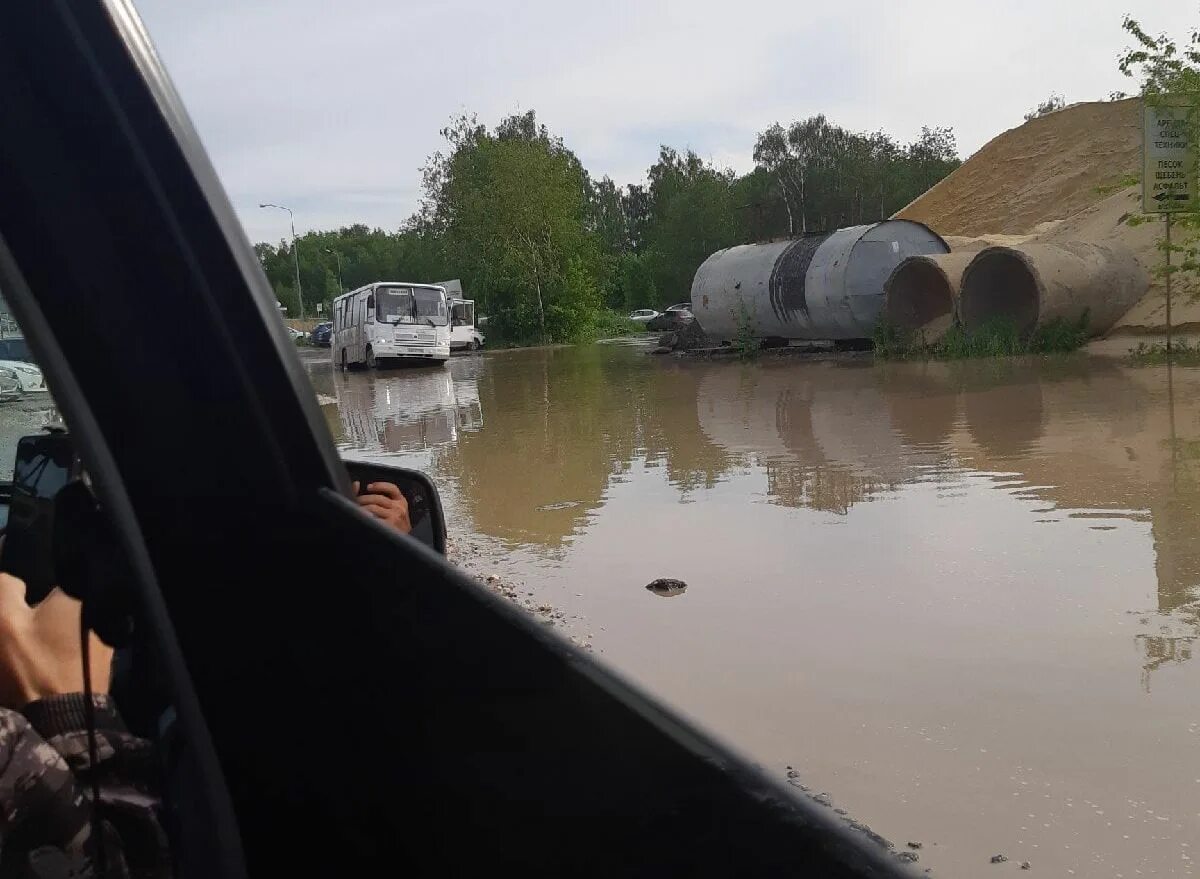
<point>295,251</point>
<point>338,257</point>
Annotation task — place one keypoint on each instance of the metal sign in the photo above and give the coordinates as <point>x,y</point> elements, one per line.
<point>1169,150</point>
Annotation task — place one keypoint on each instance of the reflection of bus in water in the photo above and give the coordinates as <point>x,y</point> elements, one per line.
<point>408,412</point>
<point>389,322</point>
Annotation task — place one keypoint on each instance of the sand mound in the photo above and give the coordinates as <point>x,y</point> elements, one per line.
<point>1045,182</point>
<point>1047,169</point>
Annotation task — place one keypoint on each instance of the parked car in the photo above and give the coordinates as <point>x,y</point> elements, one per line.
<point>322,334</point>
<point>29,376</point>
<point>15,348</point>
<point>670,320</point>
<point>643,315</point>
<point>681,306</point>
<point>10,384</point>
<point>296,335</point>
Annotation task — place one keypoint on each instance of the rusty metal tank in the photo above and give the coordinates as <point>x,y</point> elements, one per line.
<point>817,287</point>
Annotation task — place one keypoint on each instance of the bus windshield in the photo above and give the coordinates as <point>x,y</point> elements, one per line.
<point>407,305</point>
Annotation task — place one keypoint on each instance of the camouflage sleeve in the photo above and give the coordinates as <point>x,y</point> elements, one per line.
<point>45,793</point>
<point>40,800</point>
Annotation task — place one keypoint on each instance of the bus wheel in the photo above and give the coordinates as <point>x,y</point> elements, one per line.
<point>371,364</point>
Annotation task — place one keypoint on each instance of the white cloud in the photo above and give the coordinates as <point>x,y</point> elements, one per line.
<point>333,108</point>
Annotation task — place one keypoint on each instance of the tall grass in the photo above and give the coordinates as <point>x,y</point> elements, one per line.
<point>998,337</point>
<point>1183,353</point>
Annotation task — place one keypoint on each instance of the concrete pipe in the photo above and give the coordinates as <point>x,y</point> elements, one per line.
<point>921,295</point>
<point>817,287</point>
<point>1034,284</point>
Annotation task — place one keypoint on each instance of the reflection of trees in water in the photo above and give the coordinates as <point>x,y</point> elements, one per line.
<point>832,488</point>
<point>671,431</point>
<point>562,423</point>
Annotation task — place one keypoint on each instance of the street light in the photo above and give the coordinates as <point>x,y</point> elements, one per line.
<point>295,251</point>
<point>338,257</point>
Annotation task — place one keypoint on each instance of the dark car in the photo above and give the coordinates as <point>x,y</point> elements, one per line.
<point>322,335</point>
<point>671,319</point>
<point>15,348</point>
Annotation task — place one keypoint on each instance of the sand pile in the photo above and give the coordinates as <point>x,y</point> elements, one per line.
<point>1051,180</point>
<point>1047,169</point>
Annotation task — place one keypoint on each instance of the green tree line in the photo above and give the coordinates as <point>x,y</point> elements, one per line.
<point>550,253</point>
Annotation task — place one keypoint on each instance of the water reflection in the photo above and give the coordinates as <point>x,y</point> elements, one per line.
<point>1083,438</point>
<point>564,425</point>
<point>402,411</point>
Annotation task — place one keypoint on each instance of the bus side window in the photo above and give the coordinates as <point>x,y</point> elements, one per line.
<point>370,308</point>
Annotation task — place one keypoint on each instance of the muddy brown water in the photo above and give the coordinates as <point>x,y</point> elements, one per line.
<point>962,599</point>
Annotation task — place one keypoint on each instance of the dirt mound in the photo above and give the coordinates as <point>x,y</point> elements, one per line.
<point>1045,170</point>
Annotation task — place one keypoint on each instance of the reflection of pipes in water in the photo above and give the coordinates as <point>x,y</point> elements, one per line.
<point>921,294</point>
<point>1038,283</point>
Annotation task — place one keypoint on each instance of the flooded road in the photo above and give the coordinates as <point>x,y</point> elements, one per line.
<point>960,598</point>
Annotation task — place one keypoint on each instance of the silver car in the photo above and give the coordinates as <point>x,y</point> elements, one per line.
<point>10,384</point>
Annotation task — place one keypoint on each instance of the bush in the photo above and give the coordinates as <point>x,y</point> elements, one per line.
<point>745,339</point>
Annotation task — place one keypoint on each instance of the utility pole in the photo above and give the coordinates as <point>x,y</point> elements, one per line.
<point>1168,222</point>
<point>295,250</point>
<point>338,257</point>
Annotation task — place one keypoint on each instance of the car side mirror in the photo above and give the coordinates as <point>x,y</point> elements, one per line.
<point>424,503</point>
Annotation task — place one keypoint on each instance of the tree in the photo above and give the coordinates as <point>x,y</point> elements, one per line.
<point>690,216</point>
<point>829,177</point>
<point>544,248</point>
<point>511,208</point>
<point>1052,104</point>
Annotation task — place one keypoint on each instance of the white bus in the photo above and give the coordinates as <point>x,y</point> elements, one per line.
<point>389,322</point>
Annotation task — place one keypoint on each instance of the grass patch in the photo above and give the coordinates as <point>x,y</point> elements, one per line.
<point>613,323</point>
<point>1155,353</point>
<point>996,338</point>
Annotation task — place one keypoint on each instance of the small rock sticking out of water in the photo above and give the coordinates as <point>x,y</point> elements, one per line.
<point>909,857</point>
<point>666,587</point>
<point>998,859</point>
<point>916,845</point>
<point>1025,865</point>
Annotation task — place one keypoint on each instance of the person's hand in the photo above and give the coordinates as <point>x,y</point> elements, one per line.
<point>40,652</point>
<point>384,501</point>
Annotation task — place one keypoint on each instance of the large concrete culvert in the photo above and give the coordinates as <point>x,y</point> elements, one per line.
<point>816,287</point>
<point>921,295</point>
<point>1038,283</point>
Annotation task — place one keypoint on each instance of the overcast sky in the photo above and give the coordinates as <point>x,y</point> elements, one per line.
<point>333,107</point>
